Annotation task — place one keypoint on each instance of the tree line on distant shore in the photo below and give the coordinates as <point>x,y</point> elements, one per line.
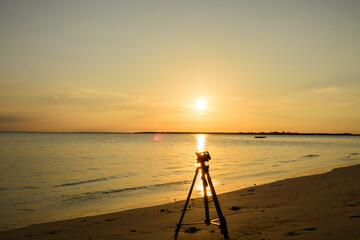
<point>233,133</point>
<point>257,133</point>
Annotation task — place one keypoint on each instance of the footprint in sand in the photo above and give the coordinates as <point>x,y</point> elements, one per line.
<point>354,204</point>
<point>291,234</point>
<point>31,235</point>
<point>235,208</point>
<point>192,230</point>
<point>309,229</point>
<point>297,233</point>
<point>110,220</point>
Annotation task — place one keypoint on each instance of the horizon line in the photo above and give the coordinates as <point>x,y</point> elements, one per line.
<point>191,132</point>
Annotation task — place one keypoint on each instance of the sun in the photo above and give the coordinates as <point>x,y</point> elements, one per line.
<point>201,104</point>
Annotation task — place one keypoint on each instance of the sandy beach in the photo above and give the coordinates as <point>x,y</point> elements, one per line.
<point>324,206</point>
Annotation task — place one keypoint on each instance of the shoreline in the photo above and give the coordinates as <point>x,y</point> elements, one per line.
<point>317,206</point>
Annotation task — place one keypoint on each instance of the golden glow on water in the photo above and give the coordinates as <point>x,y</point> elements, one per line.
<point>199,186</point>
<point>200,145</point>
<point>112,162</point>
<point>200,142</point>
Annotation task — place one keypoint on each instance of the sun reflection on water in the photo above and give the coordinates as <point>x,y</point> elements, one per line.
<point>200,142</point>
<point>200,145</point>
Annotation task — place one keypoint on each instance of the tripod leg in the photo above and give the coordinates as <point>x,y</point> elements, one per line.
<point>206,200</point>
<point>222,219</point>
<point>178,226</point>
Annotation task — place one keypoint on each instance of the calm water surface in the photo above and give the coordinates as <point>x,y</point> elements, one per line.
<point>53,176</point>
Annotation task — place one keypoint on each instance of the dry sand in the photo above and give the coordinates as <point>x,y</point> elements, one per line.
<point>325,206</point>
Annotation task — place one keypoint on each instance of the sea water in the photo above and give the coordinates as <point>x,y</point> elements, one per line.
<point>54,176</point>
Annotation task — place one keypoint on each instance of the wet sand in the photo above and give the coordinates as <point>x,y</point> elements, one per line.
<point>324,206</point>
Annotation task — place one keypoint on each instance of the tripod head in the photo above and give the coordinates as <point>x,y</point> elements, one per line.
<point>202,157</point>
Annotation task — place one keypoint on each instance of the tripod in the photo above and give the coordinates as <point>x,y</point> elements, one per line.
<point>203,157</point>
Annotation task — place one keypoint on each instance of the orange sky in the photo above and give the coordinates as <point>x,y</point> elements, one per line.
<point>142,65</point>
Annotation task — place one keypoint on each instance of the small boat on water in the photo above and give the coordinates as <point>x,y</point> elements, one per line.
<point>260,136</point>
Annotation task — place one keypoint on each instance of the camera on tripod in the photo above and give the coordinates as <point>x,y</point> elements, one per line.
<point>202,157</point>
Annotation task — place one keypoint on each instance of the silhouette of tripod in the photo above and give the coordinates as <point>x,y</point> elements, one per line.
<point>201,158</point>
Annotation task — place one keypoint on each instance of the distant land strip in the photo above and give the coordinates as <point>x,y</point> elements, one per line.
<point>255,133</point>
<point>230,133</point>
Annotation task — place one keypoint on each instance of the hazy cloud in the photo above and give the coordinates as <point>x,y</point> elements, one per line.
<point>327,90</point>
<point>235,99</point>
<point>107,93</point>
<point>345,82</point>
<point>86,96</point>
<point>12,119</point>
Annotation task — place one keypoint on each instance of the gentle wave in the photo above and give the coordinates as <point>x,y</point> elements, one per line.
<point>114,191</point>
<point>288,161</point>
<point>145,187</point>
<point>85,182</point>
<point>351,157</point>
<point>260,174</point>
<point>311,156</point>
